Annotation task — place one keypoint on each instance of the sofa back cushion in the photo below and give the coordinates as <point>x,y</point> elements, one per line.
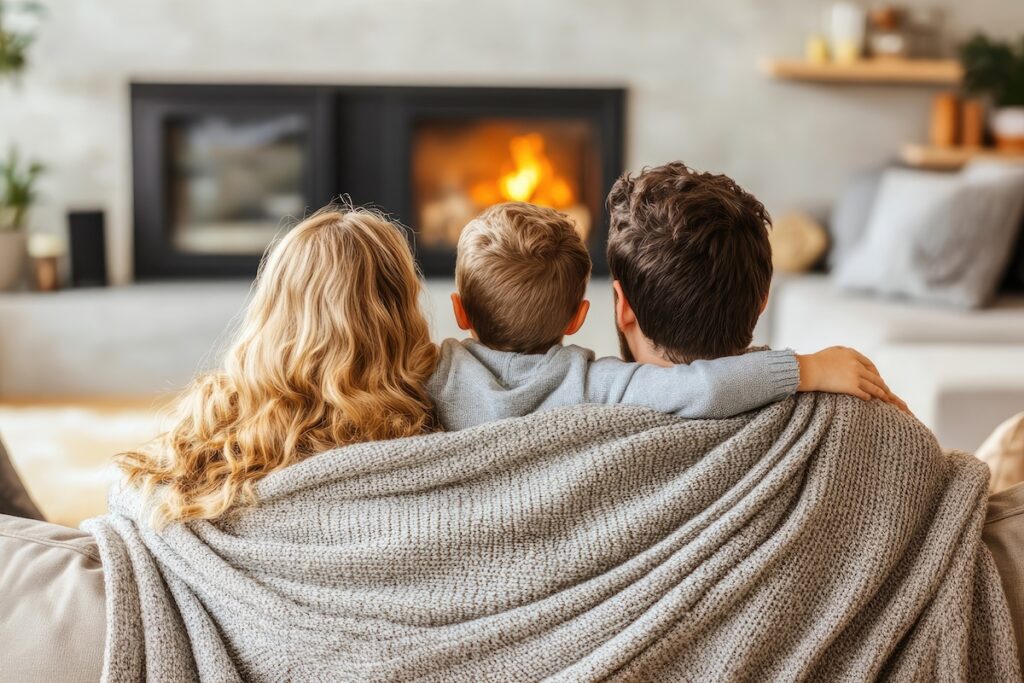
<point>850,215</point>
<point>848,223</point>
<point>939,237</point>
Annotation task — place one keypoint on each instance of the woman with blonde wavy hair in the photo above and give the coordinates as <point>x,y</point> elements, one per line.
<point>333,350</point>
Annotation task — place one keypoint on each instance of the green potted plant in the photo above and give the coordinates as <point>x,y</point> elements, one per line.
<point>17,193</point>
<point>996,69</point>
<point>14,42</point>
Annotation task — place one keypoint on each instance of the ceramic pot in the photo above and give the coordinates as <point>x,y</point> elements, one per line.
<point>1008,128</point>
<point>7,216</point>
<point>12,258</point>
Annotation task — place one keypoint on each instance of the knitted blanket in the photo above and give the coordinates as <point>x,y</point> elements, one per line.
<point>820,538</point>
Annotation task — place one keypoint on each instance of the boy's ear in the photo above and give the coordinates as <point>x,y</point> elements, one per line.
<point>460,313</point>
<point>624,316</point>
<point>577,320</point>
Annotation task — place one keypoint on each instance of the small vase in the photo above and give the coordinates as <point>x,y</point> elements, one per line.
<point>972,123</point>
<point>1008,128</point>
<point>12,259</point>
<point>945,122</point>
<point>8,219</point>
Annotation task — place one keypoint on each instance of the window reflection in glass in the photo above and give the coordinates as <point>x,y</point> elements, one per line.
<point>234,179</point>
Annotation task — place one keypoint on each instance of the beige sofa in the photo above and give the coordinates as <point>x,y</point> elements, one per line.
<point>961,372</point>
<point>52,612</point>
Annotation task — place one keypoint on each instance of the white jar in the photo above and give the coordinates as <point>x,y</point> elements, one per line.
<point>1008,128</point>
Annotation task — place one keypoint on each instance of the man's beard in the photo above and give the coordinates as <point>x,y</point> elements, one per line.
<point>624,351</point>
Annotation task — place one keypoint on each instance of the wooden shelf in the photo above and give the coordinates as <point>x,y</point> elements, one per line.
<point>883,71</point>
<point>951,158</point>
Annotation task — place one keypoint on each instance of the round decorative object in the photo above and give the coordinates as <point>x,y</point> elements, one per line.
<point>1008,128</point>
<point>798,243</point>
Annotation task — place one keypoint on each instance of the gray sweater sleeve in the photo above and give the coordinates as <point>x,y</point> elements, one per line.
<point>703,389</point>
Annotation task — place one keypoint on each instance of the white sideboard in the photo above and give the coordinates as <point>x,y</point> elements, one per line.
<point>145,339</point>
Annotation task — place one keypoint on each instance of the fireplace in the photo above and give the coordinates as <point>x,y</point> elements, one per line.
<point>220,169</point>
<point>460,168</point>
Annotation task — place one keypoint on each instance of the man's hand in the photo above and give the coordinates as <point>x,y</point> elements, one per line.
<point>841,370</point>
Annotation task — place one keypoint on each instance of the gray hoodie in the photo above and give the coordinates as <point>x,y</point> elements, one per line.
<point>474,384</point>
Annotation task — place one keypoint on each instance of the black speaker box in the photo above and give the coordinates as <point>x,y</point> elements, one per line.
<point>88,249</point>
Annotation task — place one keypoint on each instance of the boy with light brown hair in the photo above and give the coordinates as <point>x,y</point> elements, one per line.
<point>521,275</point>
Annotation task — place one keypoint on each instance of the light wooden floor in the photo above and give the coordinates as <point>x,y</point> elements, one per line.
<point>63,449</point>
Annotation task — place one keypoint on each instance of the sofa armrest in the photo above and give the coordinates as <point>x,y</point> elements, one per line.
<point>52,603</point>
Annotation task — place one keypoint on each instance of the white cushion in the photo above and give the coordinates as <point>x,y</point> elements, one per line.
<point>851,214</point>
<point>939,237</point>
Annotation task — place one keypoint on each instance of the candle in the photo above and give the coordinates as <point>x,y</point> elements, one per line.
<point>45,245</point>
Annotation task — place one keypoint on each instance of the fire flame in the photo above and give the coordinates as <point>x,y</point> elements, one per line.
<point>532,179</point>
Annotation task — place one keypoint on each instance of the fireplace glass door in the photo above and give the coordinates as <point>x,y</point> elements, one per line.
<point>462,166</point>
<point>220,171</point>
<point>234,180</point>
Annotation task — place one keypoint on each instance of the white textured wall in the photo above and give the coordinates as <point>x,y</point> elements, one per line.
<point>690,67</point>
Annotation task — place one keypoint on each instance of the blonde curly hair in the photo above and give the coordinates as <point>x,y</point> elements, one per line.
<point>333,350</point>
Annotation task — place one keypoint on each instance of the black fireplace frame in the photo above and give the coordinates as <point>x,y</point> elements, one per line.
<point>360,144</point>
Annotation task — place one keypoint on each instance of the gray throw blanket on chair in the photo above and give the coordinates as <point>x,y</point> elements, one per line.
<point>821,538</point>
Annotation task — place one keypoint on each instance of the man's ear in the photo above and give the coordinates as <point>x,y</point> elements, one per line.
<point>577,320</point>
<point>624,316</point>
<point>460,313</point>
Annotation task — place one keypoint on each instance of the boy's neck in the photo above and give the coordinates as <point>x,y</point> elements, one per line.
<point>559,343</point>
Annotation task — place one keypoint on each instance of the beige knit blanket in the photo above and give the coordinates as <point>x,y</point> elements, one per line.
<point>821,538</point>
